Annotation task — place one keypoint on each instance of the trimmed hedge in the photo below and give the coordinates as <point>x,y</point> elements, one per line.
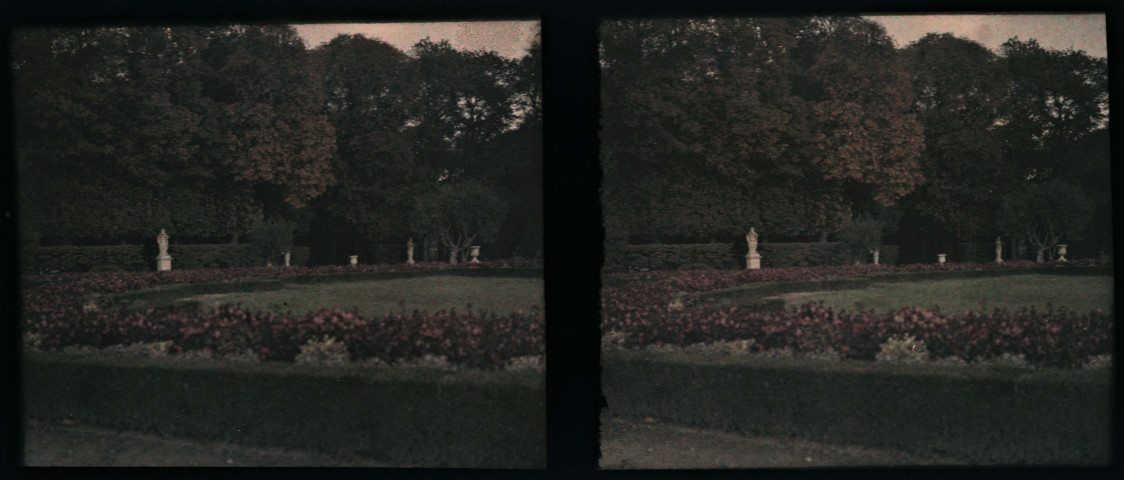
<point>990,415</point>
<point>779,255</point>
<point>978,252</point>
<point>686,256</point>
<point>82,259</point>
<point>417,417</point>
<point>135,257</point>
<point>724,255</point>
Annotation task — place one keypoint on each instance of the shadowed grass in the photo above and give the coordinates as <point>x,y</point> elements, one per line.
<point>1078,293</point>
<point>372,298</point>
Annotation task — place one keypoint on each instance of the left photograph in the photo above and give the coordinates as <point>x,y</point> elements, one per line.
<point>281,245</point>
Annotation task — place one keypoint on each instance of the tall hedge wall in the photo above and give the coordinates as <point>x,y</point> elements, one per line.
<point>140,258</point>
<point>987,415</point>
<point>979,252</point>
<point>400,416</point>
<point>725,255</point>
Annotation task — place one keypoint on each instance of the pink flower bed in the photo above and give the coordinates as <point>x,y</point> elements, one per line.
<point>639,310</point>
<point>54,311</point>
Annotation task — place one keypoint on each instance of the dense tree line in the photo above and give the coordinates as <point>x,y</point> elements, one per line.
<point>211,131</point>
<point>799,125</point>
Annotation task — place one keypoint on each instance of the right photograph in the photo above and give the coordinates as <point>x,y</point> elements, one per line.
<point>860,240</point>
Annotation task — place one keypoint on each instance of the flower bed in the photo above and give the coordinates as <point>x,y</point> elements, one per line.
<point>640,314</point>
<point>56,314</point>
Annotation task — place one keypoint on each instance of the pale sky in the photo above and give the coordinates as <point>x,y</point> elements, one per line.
<point>507,38</point>
<point>1052,31</point>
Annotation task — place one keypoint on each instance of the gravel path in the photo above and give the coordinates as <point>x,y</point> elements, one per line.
<point>77,445</point>
<point>650,444</point>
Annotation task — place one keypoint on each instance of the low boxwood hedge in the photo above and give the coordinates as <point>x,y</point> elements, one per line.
<point>732,256</point>
<point>140,258</point>
<point>989,415</point>
<point>419,417</point>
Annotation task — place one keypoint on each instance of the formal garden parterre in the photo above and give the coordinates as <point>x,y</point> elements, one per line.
<point>62,311</point>
<point>646,309</point>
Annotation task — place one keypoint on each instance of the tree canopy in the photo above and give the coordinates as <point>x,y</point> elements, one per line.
<point>208,131</point>
<point>782,127</point>
<point>802,126</point>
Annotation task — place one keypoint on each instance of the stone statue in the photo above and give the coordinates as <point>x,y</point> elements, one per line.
<point>410,251</point>
<point>752,259</point>
<point>998,250</point>
<point>163,260</point>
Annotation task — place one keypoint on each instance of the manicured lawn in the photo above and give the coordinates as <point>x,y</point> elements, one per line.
<point>1078,293</point>
<point>377,297</point>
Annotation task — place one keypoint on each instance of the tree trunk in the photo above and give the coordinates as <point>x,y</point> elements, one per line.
<point>1041,255</point>
<point>452,257</point>
<point>234,239</point>
<point>823,237</point>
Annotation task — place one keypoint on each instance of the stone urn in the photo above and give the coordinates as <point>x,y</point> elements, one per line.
<point>941,257</point>
<point>354,260</point>
<point>1061,253</point>
<point>475,254</point>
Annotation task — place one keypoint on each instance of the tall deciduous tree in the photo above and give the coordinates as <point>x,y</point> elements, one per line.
<point>961,88</point>
<point>272,136</point>
<point>371,96</point>
<point>864,136</point>
<point>1056,98</point>
<point>111,116</point>
<point>467,99</point>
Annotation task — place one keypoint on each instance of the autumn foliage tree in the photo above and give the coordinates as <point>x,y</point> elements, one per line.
<point>197,130</point>
<point>278,141</point>
<point>789,124</point>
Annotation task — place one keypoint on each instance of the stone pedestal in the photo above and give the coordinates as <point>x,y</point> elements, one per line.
<point>941,257</point>
<point>163,263</point>
<point>354,260</point>
<point>753,261</point>
<point>288,255</point>
<point>1061,253</point>
<point>475,254</point>
<point>410,252</point>
<point>875,253</point>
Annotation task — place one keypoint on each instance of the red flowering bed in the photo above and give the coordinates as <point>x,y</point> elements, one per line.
<point>54,312</point>
<point>639,311</point>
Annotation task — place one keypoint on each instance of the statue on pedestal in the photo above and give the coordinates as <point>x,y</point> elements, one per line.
<point>163,260</point>
<point>752,259</point>
<point>998,250</point>
<point>410,251</point>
